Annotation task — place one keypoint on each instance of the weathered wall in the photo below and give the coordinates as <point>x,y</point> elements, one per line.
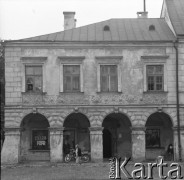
<point>56,106</point>
<point>132,75</point>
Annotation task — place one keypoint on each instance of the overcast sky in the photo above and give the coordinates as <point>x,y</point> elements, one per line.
<point>27,18</point>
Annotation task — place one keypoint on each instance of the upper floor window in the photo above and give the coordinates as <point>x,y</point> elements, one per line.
<point>71,77</point>
<point>108,78</point>
<point>33,78</point>
<point>155,77</point>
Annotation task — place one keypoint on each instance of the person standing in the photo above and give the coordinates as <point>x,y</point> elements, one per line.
<point>78,154</point>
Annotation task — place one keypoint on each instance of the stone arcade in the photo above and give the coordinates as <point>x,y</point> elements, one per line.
<point>108,86</point>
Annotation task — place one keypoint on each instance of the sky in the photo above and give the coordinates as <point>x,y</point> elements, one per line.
<point>28,18</point>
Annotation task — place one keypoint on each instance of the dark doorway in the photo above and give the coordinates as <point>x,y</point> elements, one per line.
<point>107,146</point>
<point>117,136</point>
<point>77,132</point>
<point>159,135</point>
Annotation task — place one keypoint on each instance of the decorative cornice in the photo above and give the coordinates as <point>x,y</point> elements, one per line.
<point>108,57</point>
<point>154,57</point>
<point>39,59</point>
<point>71,57</point>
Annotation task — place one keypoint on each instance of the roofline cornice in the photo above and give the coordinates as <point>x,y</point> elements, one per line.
<point>51,44</point>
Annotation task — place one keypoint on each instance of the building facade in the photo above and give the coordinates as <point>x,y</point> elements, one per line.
<point>109,87</point>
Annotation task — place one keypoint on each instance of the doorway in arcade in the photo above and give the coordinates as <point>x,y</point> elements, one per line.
<point>76,131</point>
<point>116,136</point>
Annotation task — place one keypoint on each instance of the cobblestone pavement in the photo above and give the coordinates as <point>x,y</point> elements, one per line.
<point>63,171</point>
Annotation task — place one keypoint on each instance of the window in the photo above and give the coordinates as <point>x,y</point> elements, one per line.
<point>155,77</point>
<point>33,72</point>
<point>155,73</point>
<point>40,139</point>
<point>33,78</point>
<point>71,74</point>
<point>151,28</point>
<point>108,78</point>
<point>152,138</point>
<point>106,28</point>
<point>109,73</point>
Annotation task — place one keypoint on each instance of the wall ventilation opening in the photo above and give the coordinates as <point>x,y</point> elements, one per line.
<point>151,28</point>
<point>106,28</point>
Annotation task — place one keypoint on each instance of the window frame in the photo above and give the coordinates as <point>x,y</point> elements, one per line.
<point>71,60</point>
<point>33,61</point>
<point>154,78</point>
<point>109,81</point>
<point>109,60</point>
<point>34,76</point>
<point>72,75</point>
<point>154,60</point>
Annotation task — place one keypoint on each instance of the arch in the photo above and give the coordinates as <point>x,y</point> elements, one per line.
<point>34,137</point>
<point>119,126</point>
<point>171,116</point>
<point>32,114</point>
<point>123,112</point>
<point>76,131</point>
<point>152,28</point>
<point>72,112</point>
<point>159,134</point>
<point>106,28</point>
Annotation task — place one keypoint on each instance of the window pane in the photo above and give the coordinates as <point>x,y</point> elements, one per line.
<point>159,69</point>
<point>67,83</point>
<point>76,70</point>
<point>150,83</point>
<point>103,69</point>
<point>71,69</point>
<point>29,70</point>
<point>38,83</point>
<point>38,70</point>
<point>113,83</point>
<point>75,83</point>
<point>104,83</point>
<point>67,69</point>
<point>29,83</point>
<point>150,69</point>
<point>159,83</point>
<point>113,69</point>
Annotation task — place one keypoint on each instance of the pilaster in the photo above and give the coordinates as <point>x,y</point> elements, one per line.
<point>96,138</point>
<point>56,144</point>
<point>138,143</point>
<point>11,146</point>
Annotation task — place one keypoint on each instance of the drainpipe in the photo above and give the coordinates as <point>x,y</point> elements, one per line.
<point>177,101</point>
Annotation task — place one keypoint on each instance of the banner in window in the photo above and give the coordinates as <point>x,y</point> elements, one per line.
<point>39,139</point>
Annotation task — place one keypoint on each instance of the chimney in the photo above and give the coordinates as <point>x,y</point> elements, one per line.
<point>143,14</point>
<point>69,20</point>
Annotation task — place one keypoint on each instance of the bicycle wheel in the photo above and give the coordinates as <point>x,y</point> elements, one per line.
<point>67,158</point>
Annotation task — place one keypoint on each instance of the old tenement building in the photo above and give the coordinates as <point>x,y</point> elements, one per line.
<point>114,87</point>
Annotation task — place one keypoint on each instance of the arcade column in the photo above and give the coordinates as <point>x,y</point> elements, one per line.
<point>56,144</point>
<point>96,138</point>
<point>138,143</point>
<point>11,146</point>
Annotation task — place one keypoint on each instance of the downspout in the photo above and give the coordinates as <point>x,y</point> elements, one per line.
<point>177,101</point>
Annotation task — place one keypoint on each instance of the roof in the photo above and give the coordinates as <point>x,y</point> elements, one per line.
<point>119,30</point>
<point>176,13</point>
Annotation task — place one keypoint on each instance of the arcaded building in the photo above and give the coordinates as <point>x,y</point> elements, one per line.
<point>115,87</point>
